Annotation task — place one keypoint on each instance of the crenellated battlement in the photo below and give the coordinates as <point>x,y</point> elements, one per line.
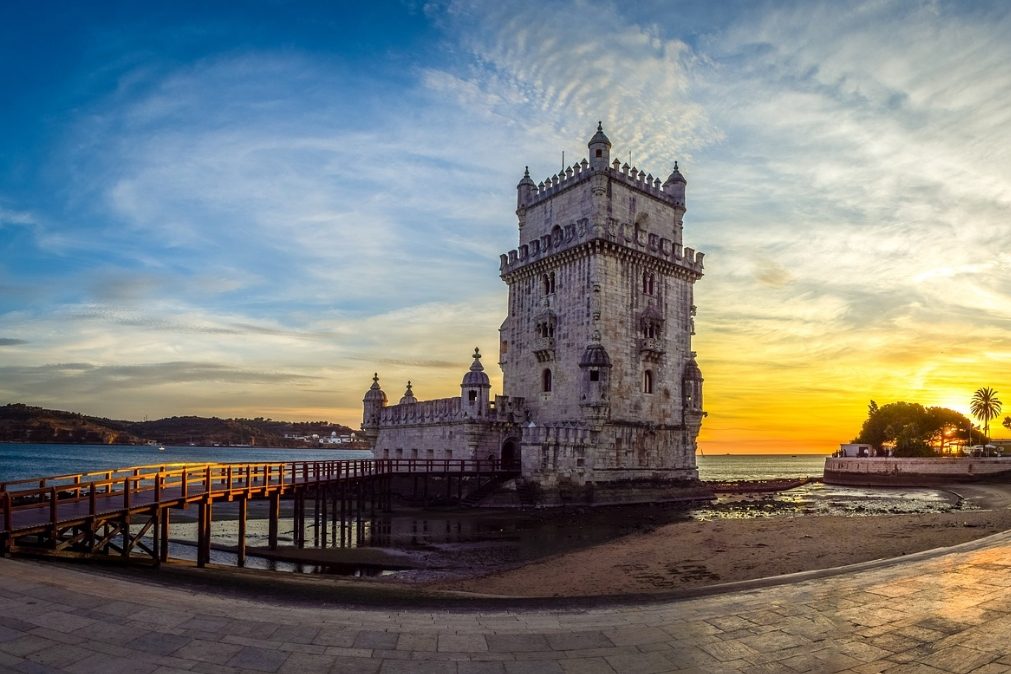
<point>427,411</point>
<point>625,234</point>
<point>447,410</point>
<point>582,171</point>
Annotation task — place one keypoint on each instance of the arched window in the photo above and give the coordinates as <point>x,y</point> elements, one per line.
<point>647,381</point>
<point>547,284</point>
<point>546,381</point>
<point>552,282</point>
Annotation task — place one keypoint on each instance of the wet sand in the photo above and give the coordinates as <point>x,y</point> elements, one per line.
<point>686,555</point>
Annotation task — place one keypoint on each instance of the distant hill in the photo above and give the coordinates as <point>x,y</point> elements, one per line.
<point>23,423</point>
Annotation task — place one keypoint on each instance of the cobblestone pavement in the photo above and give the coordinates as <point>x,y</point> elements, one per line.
<point>947,613</point>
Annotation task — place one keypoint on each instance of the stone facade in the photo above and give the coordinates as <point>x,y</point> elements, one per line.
<point>601,383</point>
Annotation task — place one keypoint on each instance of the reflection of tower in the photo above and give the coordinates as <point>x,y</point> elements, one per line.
<point>600,320</point>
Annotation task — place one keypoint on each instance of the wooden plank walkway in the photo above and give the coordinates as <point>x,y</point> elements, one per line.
<point>96,513</point>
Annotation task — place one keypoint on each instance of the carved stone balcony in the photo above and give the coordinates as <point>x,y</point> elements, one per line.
<point>651,347</point>
<point>544,349</point>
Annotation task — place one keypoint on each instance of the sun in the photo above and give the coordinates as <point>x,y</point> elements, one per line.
<point>955,401</point>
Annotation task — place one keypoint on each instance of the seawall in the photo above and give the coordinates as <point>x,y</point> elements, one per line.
<point>914,472</point>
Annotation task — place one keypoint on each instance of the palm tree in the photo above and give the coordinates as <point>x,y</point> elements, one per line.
<point>985,406</point>
<point>1006,423</point>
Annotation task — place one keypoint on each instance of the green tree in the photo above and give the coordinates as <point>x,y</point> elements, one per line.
<point>946,428</point>
<point>912,429</point>
<point>985,406</point>
<point>1006,423</point>
<point>884,425</point>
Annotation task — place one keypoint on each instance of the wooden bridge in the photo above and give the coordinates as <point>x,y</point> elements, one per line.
<point>126,512</point>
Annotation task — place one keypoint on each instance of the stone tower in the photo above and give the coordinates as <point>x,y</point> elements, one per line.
<point>598,337</point>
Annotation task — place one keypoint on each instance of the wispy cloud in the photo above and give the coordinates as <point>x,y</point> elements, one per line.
<point>282,211</point>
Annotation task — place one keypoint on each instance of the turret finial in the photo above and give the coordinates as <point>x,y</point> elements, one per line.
<point>476,365</point>
<point>526,171</point>
<point>600,126</point>
<point>675,164</point>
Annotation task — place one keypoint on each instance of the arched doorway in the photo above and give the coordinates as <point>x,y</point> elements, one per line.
<point>511,454</point>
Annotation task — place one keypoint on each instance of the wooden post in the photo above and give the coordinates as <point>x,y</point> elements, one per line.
<point>323,514</point>
<point>204,532</point>
<point>342,495</point>
<point>274,515</point>
<point>315,511</point>
<point>333,516</point>
<point>163,553</point>
<point>156,534</point>
<point>299,511</point>
<point>241,552</point>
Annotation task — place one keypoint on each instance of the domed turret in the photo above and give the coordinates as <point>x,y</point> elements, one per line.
<point>600,149</point>
<point>595,355</point>
<point>372,404</point>
<point>675,184</point>
<point>476,375</point>
<point>375,394</point>
<point>526,189</point>
<point>408,396</point>
<point>691,386</point>
<point>595,382</point>
<point>474,389</point>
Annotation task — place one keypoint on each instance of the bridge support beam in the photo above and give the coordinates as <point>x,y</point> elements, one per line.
<point>274,514</point>
<point>241,545</point>
<point>204,532</point>
<point>163,532</point>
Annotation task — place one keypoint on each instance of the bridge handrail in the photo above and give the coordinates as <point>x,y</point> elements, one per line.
<point>195,480</point>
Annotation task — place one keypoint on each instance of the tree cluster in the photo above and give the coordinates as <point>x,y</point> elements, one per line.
<point>910,429</point>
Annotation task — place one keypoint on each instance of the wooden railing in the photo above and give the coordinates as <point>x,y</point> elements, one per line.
<point>136,486</point>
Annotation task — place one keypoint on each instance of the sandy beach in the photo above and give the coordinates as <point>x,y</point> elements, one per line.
<point>692,554</point>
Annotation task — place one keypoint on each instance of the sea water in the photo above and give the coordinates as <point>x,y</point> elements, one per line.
<point>732,467</point>
<point>20,461</point>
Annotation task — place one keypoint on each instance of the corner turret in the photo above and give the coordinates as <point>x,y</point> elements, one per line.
<point>600,150</point>
<point>373,403</point>
<point>408,396</point>
<point>674,186</point>
<point>475,389</point>
<point>691,383</point>
<point>526,189</point>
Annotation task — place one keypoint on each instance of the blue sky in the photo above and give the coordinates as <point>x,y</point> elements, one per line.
<point>246,210</point>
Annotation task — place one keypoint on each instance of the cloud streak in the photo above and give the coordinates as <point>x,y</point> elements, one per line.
<point>296,212</point>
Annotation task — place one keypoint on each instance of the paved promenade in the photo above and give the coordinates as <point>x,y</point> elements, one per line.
<point>947,613</point>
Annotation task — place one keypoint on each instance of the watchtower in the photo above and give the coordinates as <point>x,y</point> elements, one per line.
<point>598,336</point>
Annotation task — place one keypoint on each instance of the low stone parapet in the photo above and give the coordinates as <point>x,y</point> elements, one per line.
<point>909,472</point>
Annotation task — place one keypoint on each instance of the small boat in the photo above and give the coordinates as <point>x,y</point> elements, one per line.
<point>161,448</point>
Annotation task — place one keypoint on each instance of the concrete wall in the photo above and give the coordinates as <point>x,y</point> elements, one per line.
<point>913,471</point>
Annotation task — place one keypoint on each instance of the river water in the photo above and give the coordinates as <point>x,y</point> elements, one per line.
<point>19,461</point>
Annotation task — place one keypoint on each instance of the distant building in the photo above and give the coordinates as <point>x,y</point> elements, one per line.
<point>601,386</point>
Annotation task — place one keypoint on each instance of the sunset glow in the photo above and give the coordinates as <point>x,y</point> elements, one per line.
<point>248,212</point>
